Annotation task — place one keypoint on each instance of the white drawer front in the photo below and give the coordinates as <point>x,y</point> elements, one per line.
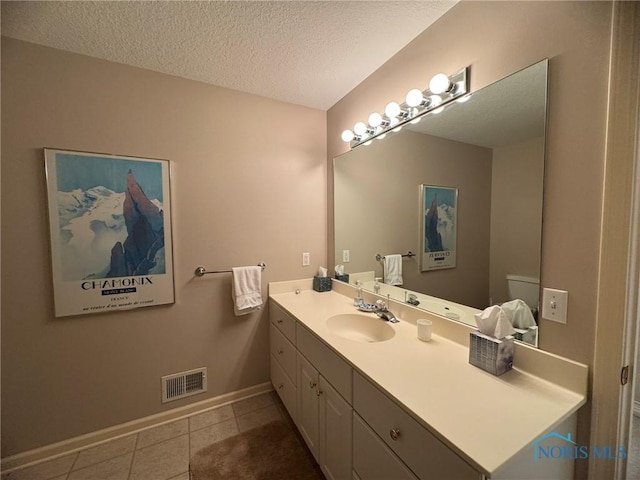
<point>427,456</point>
<point>285,388</point>
<point>329,364</point>
<point>372,459</point>
<point>285,323</point>
<point>284,352</point>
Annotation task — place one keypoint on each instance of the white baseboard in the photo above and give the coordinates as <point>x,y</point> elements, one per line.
<point>72,445</point>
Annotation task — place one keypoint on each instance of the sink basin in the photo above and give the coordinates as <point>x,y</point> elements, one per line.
<point>360,328</point>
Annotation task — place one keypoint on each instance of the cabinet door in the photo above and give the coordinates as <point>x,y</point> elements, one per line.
<point>308,402</point>
<point>335,433</point>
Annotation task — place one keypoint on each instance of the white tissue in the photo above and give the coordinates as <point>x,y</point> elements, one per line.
<point>494,321</point>
<point>322,272</point>
<point>519,313</point>
<point>339,269</point>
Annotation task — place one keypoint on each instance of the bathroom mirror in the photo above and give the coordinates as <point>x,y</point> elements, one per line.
<point>489,151</point>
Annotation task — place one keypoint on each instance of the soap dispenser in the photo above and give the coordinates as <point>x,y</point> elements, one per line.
<point>376,286</point>
<point>358,301</point>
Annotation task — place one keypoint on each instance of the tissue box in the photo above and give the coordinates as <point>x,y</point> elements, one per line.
<point>343,278</point>
<point>321,284</point>
<point>490,354</point>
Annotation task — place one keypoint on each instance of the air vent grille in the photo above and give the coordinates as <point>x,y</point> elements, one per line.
<point>185,384</point>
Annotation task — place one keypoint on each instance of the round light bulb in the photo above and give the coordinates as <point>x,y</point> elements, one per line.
<point>360,128</point>
<point>464,99</point>
<point>375,119</point>
<point>347,136</point>
<point>392,110</point>
<point>438,110</point>
<point>435,100</point>
<point>414,97</point>
<point>439,83</point>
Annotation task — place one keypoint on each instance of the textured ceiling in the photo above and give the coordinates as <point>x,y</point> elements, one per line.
<point>303,52</point>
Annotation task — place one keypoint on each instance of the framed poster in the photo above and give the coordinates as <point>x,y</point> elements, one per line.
<point>438,224</point>
<point>110,228</point>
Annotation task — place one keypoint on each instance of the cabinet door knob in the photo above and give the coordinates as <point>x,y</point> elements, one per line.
<point>280,386</point>
<point>394,433</point>
<point>279,320</point>
<point>312,384</point>
<point>318,392</point>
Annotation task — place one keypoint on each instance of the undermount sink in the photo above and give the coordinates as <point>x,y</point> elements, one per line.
<point>360,328</point>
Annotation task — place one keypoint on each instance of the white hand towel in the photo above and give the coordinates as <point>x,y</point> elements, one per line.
<point>246,289</point>
<point>393,269</point>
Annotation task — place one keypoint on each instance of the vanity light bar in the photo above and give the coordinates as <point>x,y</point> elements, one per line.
<point>442,90</point>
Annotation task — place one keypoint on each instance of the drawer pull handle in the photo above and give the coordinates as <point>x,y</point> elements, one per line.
<point>280,386</point>
<point>395,434</point>
<point>312,384</point>
<point>318,392</point>
<point>279,320</point>
<point>280,351</point>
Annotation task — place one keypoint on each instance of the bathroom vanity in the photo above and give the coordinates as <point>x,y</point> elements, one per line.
<point>373,401</point>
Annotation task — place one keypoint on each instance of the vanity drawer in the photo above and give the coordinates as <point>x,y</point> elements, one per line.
<point>326,361</point>
<point>427,456</point>
<point>372,459</point>
<point>285,323</point>
<point>283,351</point>
<point>285,388</point>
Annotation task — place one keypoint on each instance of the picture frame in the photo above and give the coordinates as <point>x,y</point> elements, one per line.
<point>438,227</point>
<point>110,231</point>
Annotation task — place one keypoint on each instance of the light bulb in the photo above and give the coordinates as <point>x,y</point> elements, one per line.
<point>414,97</point>
<point>435,101</point>
<point>366,144</point>
<point>392,110</point>
<point>438,110</point>
<point>375,119</point>
<point>380,137</point>
<point>347,136</point>
<point>360,128</point>
<point>464,99</point>
<point>439,83</point>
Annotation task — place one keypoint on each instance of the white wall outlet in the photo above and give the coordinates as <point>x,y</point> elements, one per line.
<point>306,259</point>
<point>554,304</point>
<point>345,256</point>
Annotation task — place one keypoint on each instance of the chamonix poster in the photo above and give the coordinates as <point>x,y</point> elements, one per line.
<point>439,227</point>
<point>110,226</point>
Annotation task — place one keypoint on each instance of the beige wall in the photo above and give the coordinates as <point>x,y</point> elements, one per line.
<point>516,213</point>
<point>378,189</point>
<point>496,39</point>
<point>247,172</point>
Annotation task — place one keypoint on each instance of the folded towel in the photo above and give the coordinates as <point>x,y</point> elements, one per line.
<point>246,289</point>
<point>393,269</point>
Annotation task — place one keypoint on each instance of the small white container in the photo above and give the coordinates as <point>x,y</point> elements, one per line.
<point>425,328</point>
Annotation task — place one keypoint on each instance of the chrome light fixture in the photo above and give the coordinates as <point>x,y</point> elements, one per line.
<point>442,90</point>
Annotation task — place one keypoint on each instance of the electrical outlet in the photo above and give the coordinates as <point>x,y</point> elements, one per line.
<point>345,256</point>
<point>554,304</point>
<point>306,259</point>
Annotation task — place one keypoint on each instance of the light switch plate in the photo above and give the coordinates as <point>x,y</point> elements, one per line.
<point>554,304</point>
<point>345,256</point>
<point>306,259</point>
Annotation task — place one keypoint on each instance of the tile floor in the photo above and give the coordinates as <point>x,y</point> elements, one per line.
<point>160,453</point>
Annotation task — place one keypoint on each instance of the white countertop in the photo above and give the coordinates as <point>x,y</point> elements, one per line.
<point>484,418</point>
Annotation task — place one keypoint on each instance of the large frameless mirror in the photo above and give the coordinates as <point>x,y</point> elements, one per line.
<point>459,194</point>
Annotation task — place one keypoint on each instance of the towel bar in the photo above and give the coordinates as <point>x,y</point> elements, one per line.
<point>408,254</point>
<point>200,271</point>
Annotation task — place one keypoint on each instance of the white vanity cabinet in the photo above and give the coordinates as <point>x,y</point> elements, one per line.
<point>314,383</point>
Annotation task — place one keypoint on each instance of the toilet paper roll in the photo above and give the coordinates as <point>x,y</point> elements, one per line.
<point>425,328</point>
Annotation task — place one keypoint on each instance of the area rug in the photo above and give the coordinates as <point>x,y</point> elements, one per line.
<point>272,451</point>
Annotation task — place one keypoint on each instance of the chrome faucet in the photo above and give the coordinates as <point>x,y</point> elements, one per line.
<point>383,312</point>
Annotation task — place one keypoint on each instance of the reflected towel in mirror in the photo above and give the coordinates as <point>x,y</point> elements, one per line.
<point>393,269</point>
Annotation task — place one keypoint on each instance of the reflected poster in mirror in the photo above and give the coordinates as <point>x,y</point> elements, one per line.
<point>439,211</point>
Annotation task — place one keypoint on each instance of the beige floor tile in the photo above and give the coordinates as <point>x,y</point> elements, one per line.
<point>210,417</point>
<point>113,469</point>
<point>212,434</point>
<point>44,471</point>
<point>161,461</point>
<point>162,433</point>
<point>258,418</point>
<point>251,404</point>
<point>105,451</point>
